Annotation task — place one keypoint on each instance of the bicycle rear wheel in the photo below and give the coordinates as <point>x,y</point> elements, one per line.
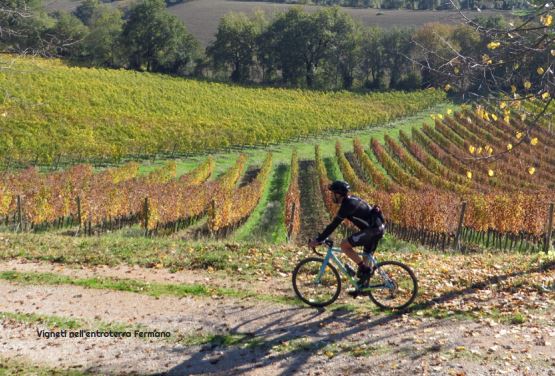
<point>313,288</point>
<point>393,285</point>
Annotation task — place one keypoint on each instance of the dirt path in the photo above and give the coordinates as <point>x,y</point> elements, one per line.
<point>356,166</point>
<point>394,345</point>
<point>284,340</point>
<point>186,316</point>
<point>279,285</point>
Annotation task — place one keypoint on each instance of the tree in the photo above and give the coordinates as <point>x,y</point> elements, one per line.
<point>13,16</point>
<point>101,46</point>
<point>470,44</point>
<point>434,43</point>
<point>22,23</point>
<point>85,11</point>
<point>235,45</point>
<point>298,44</point>
<point>286,44</point>
<point>373,62</point>
<point>178,54</point>
<point>156,40</point>
<point>345,49</point>
<point>67,34</point>
<point>322,37</point>
<point>397,47</point>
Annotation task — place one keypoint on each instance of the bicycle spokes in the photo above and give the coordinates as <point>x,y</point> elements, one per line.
<point>393,285</point>
<point>316,284</point>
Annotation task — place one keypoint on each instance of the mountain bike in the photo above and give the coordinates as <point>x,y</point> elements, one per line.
<point>316,280</point>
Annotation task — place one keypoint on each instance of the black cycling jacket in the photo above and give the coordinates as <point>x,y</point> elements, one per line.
<point>356,210</point>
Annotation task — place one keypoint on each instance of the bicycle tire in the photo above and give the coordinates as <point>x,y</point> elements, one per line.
<point>374,295</point>
<point>319,261</point>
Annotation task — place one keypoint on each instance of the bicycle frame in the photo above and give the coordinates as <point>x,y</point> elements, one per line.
<point>331,255</point>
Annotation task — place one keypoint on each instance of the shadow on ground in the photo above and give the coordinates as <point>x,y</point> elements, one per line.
<point>283,325</point>
<point>267,332</point>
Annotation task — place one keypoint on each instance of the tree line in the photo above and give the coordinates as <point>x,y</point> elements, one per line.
<point>326,49</point>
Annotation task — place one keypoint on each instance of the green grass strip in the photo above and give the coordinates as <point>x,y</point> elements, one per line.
<point>9,367</point>
<point>66,323</point>
<point>265,224</point>
<point>130,285</point>
<point>49,321</point>
<point>332,168</point>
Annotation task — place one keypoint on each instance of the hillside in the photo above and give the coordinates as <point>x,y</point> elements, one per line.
<point>53,111</point>
<point>152,224</point>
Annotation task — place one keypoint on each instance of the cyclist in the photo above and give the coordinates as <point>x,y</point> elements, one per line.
<point>369,219</point>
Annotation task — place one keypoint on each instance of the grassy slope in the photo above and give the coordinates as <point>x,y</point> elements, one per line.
<point>130,285</point>
<point>113,249</point>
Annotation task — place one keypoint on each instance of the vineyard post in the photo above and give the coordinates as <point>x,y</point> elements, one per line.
<point>19,216</point>
<point>459,227</point>
<point>549,228</point>
<point>290,229</point>
<point>79,213</point>
<point>146,215</point>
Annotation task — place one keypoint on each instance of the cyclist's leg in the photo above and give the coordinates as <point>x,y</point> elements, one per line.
<point>347,248</point>
<point>366,238</point>
<point>356,240</point>
<point>371,244</point>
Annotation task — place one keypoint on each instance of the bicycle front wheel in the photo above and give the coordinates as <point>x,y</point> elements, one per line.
<point>316,286</point>
<point>393,285</point>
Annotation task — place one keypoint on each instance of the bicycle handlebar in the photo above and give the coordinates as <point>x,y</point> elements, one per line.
<point>327,242</point>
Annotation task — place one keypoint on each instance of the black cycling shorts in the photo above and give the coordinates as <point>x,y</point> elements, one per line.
<point>368,238</point>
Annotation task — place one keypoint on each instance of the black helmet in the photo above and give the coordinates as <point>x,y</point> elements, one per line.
<point>340,187</point>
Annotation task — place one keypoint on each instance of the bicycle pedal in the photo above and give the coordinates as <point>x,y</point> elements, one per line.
<point>353,293</point>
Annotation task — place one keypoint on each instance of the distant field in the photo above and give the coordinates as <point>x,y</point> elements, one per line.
<point>202,16</point>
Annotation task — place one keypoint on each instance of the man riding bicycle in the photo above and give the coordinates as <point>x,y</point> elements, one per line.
<point>366,217</point>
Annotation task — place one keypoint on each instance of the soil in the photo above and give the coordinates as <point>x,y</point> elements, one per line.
<point>201,17</point>
<point>249,176</point>
<point>356,166</point>
<point>336,342</point>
